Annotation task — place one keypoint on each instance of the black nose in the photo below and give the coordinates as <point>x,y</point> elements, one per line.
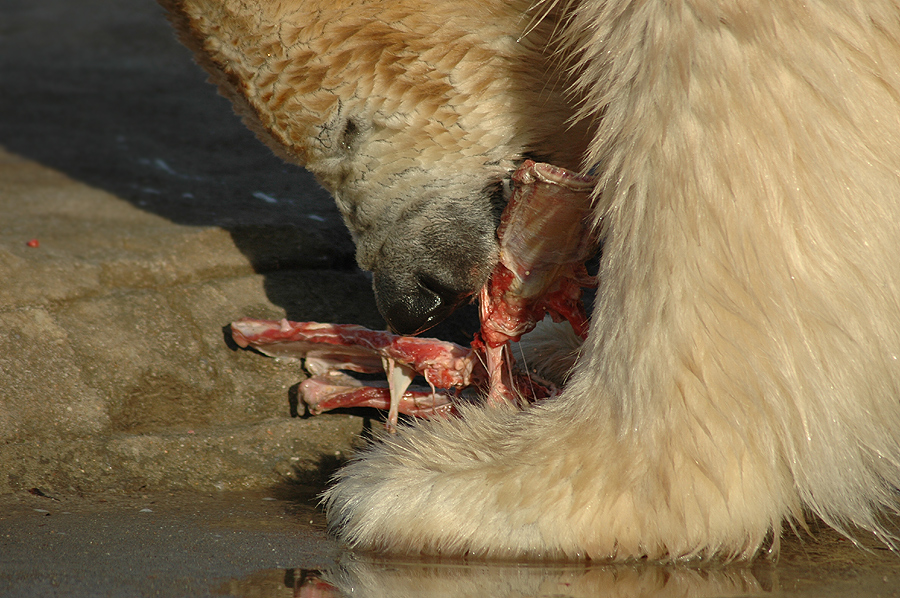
<point>412,303</point>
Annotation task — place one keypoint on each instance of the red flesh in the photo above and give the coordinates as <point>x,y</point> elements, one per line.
<point>322,393</point>
<point>544,240</point>
<point>328,347</point>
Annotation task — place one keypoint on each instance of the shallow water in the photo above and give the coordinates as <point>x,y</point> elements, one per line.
<point>256,544</point>
<point>830,575</point>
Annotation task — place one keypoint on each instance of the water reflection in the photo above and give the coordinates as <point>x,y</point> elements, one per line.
<point>822,564</point>
<point>360,577</point>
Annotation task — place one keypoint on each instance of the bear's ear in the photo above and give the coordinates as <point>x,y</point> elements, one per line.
<point>237,43</point>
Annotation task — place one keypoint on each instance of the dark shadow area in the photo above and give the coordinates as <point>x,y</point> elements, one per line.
<point>308,481</point>
<point>303,487</point>
<point>103,92</point>
<point>130,113</point>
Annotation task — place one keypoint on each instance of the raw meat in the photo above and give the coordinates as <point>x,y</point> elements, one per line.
<point>540,272</point>
<point>330,349</point>
<point>543,249</point>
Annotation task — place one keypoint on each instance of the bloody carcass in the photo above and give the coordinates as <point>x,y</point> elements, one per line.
<point>545,237</point>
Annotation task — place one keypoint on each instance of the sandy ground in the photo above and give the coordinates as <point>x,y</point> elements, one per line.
<point>140,452</point>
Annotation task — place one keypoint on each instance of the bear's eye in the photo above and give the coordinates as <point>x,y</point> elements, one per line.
<point>349,135</point>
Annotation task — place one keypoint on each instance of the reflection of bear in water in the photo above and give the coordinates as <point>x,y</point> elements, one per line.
<point>742,364</point>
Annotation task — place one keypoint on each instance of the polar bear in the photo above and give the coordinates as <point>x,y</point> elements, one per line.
<point>741,371</point>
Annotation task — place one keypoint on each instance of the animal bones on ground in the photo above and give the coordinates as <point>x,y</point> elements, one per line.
<point>540,272</point>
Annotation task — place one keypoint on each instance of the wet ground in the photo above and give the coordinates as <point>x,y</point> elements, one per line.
<point>173,544</point>
<point>140,453</point>
<point>273,544</point>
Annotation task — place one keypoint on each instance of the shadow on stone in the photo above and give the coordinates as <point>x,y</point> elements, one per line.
<point>131,114</point>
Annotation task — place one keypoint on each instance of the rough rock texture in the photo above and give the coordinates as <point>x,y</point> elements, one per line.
<point>160,219</point>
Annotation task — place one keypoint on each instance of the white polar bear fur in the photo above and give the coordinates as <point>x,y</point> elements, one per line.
<point>741,370</point>
<point>742,364</point>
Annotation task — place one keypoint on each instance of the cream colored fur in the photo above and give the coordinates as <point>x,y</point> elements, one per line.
<point>742,365</point>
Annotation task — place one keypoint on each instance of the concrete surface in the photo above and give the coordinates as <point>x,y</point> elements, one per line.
<point>139,450</point>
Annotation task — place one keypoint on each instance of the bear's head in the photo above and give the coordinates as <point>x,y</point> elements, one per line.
<point>412,114</point>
